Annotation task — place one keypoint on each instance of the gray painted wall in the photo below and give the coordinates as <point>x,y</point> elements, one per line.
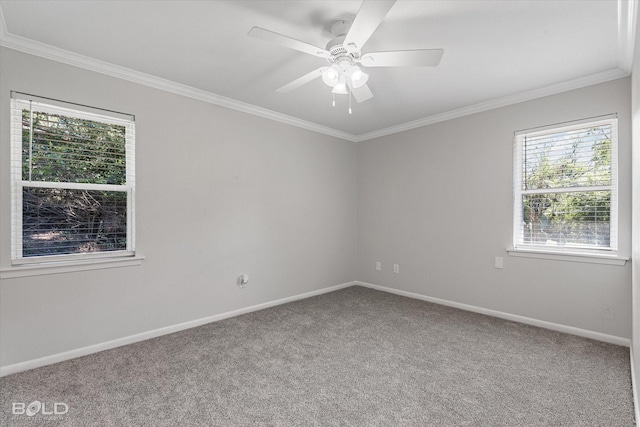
<point>438,201</point>
<point>219,193</point>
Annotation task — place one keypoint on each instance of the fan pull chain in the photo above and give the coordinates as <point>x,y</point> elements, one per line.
<point>349,94</point>
<point>334,100</point>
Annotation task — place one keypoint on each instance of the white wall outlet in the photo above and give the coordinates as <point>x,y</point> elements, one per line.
<point>607,314</point>
<point>499,263</point>
<point>378,266</point>
<point>396,268</point>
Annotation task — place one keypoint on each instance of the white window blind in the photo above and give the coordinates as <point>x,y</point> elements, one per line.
<point>73,183</point>
<point>566,187</point>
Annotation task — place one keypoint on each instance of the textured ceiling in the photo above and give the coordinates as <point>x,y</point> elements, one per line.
<point>495,51</point>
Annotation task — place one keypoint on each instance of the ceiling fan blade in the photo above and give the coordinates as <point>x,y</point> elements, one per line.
<point>302,80</point>
<point>362,93</point>
<point>270,36</point>
<point>403,58</point>
<point>369,16</point>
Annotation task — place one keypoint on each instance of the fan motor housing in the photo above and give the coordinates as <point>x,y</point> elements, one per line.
<point>335,46</point>
<point>339,53</point>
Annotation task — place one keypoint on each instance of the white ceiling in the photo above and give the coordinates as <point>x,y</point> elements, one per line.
<point>496,52</point>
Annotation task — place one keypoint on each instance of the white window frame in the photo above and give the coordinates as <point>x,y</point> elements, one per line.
<point>18,183</point>
<point>608,255</point>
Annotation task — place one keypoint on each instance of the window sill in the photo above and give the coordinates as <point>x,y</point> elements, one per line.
<point>569,256</point>
<point>68,266</point>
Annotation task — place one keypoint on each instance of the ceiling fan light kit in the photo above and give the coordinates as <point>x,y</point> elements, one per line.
<point>331,75</point>
<point>344,53</point>
<point>358,77</point>
<point>340,88</point>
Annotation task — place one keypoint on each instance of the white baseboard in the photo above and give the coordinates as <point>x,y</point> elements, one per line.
<point>612,339</point>
<point>635,388</point>
<point>72,354</point>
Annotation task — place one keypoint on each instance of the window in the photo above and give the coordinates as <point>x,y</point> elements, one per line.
<point>565,188</point>
<point>72,176</point>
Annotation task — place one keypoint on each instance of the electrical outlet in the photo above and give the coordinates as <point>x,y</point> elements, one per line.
<point>499,262</point>
<point>378,266</point>
<point>396,268</point>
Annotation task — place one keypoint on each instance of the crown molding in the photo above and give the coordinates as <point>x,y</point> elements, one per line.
<point>3,26</point>
<point>627,22</point>
<point>32,47</point>
<point>593,79</point>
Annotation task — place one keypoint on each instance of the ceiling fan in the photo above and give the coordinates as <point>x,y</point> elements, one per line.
<point>344,52</point>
